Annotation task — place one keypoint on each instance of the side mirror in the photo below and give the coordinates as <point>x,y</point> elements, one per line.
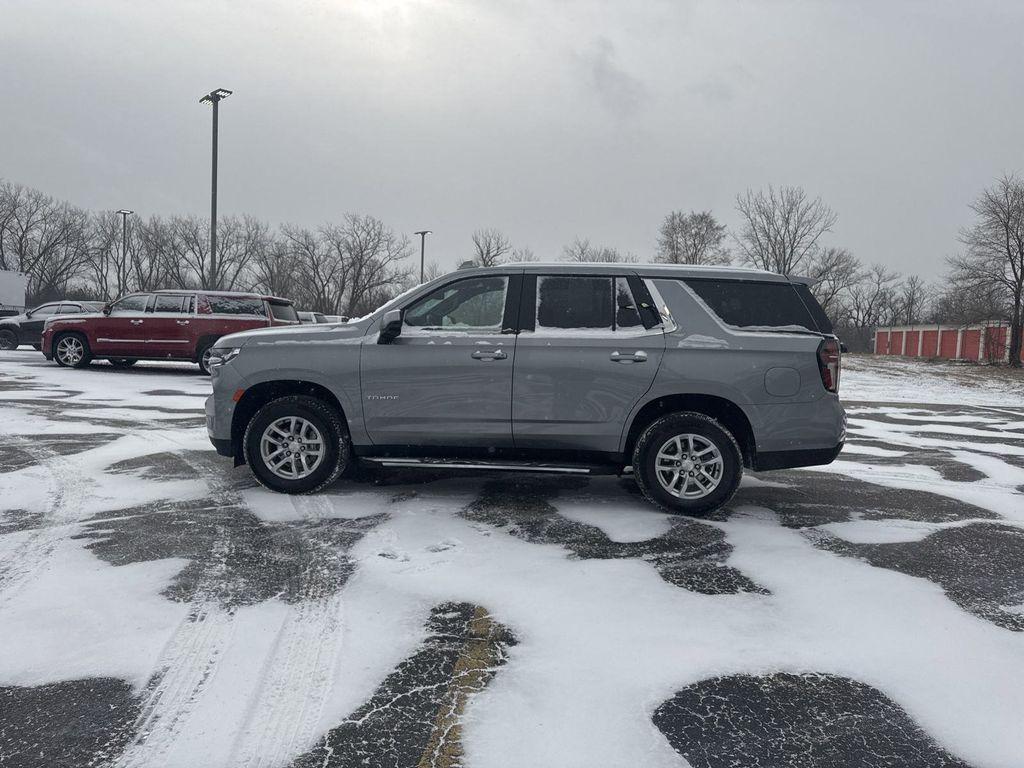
<point>390,326</point>
<point>106,309</point>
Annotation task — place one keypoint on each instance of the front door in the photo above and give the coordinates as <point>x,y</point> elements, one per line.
<point>446,380</point>
<point>123,331</point>
<point>583,359</point>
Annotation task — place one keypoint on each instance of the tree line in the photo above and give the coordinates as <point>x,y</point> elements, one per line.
<point>785,230</point>
<point>352,266</point>
<point>349,267</point>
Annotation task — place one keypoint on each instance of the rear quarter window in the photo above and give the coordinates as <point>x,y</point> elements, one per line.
<point>282,311</point>
<point>752,304</point>
<point>233,305</point>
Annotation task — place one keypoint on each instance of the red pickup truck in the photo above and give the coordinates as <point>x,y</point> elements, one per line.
<point>162,325</point>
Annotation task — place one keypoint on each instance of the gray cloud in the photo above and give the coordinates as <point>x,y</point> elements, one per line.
<point>621,93</point>
<point>545,119</point>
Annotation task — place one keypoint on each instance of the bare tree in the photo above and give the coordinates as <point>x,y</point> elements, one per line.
<point>781,228</point>
<point>322,270</point>
<point>523,254</point>
<point>149,247</point>
<point>994,256</point>
<point>42,237</point>
<point>835,271</point>
<point>489,247</point>
<point>692,238</point>
<point>273,269</point>
<point>872,302</point>
<point>373,252</point>
<point>580,250</point>
<point>912,300</point>
<point>109,265</point>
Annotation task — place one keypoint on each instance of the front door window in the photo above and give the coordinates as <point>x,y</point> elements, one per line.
<point>476,305</point>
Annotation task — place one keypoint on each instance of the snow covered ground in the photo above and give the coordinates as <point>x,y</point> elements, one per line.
<point>158,609</point>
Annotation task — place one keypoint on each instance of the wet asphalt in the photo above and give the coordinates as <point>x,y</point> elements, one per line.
<point>413,717</point>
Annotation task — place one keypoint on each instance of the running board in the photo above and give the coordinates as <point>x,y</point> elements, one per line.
<point>491,466</point>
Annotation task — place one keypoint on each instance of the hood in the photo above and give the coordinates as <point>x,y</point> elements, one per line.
<point>293,334</point>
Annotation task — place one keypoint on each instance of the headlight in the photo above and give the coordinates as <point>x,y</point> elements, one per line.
<point>220,355</point>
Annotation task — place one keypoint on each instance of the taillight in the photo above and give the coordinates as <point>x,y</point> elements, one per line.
<point>829,363</point>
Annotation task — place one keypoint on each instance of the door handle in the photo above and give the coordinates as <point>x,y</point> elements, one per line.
<point>489,354</point>
<point>136,322</point>
<point>182,322</point>
<point>637,357</point>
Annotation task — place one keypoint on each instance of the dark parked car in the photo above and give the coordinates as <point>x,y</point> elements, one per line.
<point>27,328</point>
<point>163,325</point>
<point>687,375</point>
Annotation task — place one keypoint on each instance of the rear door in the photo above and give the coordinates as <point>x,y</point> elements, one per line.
<point>123,331</point>
<point>32,327</point>
<point>169,326</point>
<point>584,357</point>
<point>447,379</point>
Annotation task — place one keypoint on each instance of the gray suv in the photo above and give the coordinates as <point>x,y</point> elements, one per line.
<point>686,374</point>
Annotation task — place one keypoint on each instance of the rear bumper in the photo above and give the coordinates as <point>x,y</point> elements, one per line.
<point>812,457</point>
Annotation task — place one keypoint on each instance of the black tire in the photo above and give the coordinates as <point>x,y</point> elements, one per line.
<point>8,339</point>
<point>325,418</point>
<point>123,362</point>
<point>700,425</point>
<point>67,360</point>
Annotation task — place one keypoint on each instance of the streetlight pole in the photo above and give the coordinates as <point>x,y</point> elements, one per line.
<point>214,98</point>
<point>423,240</point>
<point>124,235</point>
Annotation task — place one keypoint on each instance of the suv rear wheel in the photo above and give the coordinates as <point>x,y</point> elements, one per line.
<point>8,339</point>
<point>297,444</point>
<point>71,351</point>
<point>687,462</point>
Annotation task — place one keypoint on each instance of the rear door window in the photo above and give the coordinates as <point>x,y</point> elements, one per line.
<point>70,309</point>
<point>235,305</point>
<point>573,302</point>
<point>170,304</point>
<point>753,304</point>
<point>627,311</point>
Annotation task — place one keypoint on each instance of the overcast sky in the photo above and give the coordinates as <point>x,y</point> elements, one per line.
<point>544,119</point>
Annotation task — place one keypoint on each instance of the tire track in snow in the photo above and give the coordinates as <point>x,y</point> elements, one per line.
<point>186,665</point>
<point>66,493</point>
<point>298,674</point>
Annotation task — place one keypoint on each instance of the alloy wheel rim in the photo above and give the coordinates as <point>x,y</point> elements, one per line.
<point>7,341</point>
<point>689,466</point>
<point>70,350</point>
<point>292,447</point>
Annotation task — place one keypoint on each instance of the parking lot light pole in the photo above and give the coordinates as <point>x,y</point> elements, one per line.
<point>214,98</point>
<point>423,240</point>
<point>125,213</point>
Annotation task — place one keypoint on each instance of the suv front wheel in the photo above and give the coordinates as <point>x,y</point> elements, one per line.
<point>687,462</point>
<point>71,351</point>
<point>297,444</point>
